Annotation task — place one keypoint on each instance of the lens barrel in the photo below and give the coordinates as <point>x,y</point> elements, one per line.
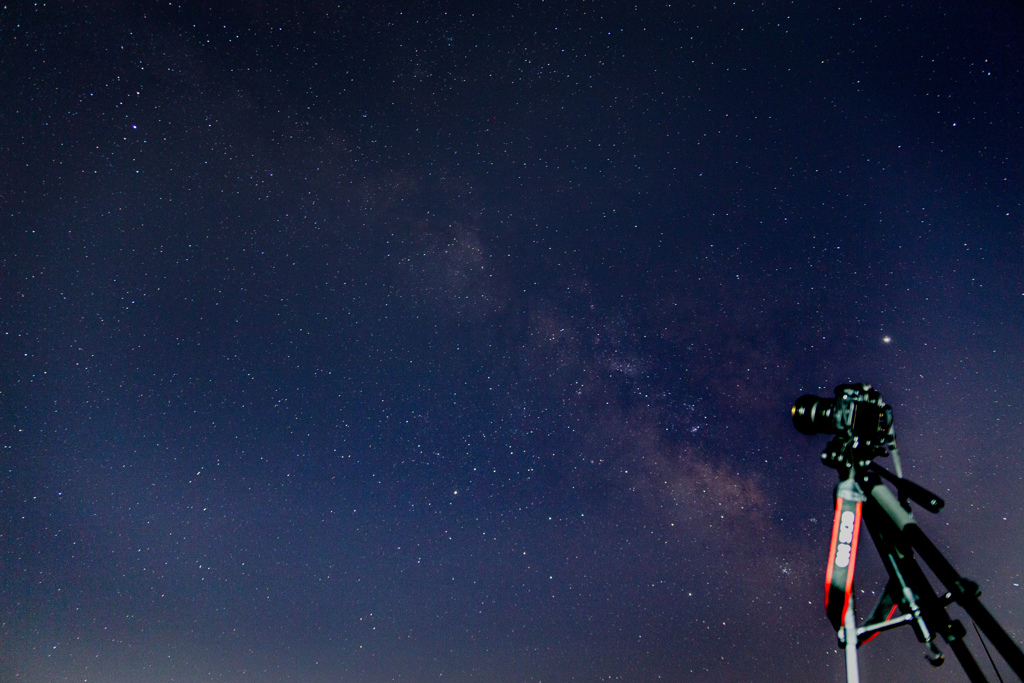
<point>813,415</point>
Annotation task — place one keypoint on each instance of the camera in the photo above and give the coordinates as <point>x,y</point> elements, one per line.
<point>857,411</point>
<point>861,426</point>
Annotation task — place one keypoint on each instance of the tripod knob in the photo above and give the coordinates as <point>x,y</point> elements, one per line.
<point>954,630</point>
<point>967,588</point>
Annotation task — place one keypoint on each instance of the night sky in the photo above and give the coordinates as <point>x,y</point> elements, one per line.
<point>456,342</point>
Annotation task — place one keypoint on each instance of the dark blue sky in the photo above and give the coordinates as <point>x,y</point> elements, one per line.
<point>414,342</point>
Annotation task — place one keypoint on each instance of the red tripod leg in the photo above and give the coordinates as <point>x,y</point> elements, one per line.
<point>842,554</point>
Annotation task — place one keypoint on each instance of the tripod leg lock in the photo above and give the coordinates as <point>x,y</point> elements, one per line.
<point>966,588</point>
<point>953,630</point>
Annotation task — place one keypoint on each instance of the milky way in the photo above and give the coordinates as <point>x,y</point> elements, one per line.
<point>406,343</point>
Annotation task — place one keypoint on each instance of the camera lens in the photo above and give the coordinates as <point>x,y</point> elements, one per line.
<point>813,415</point>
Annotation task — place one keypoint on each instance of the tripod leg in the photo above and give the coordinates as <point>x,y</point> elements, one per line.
<point>952,632</point>
<point>903,576</point>
<point>965,592</point>
<point>924,634</point>
<point>959,648</point>
<point>918,597</point>
<point>850,626</point>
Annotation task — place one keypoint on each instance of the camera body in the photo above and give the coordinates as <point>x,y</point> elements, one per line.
<point>856,411</point>
<point>858,417</point>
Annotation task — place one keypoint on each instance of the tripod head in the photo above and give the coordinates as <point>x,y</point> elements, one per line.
<point>863,427</point>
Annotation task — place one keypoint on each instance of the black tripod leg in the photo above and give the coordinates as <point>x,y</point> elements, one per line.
<point>902,569</point>
<point>965,592</point>
<point>916,593</point>
<point>959,648</point>
<point>924,622</point>
<point>935,615</point>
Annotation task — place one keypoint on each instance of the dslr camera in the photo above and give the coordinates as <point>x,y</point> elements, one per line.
<point>858,418</point>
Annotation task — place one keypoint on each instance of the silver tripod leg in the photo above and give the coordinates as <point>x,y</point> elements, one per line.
<point>850,628</point>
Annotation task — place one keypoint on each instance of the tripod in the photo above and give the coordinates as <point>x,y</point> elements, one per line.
<point>862,423</point>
